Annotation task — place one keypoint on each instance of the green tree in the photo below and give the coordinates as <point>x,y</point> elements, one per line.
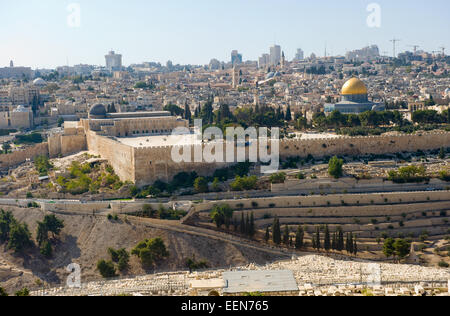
<point>222,215</point>
<point>267,235</point>
<point>53,225</point>
<point>106,269</point>
<point>187,112</point>
<point>299,238</point>
<point>327,240</point>
<point>6,147</point>
<point>340,240</point>
<point>350,244</point>
<point>46,249</point>
<point>3,292</point>
<point>247,225</point>
<point>121,257</point>
<point>335,167</point>
<point>442,153</point>
<point>388,248</point>
<point>19,237</point>
<point>252,230</point>
<point>402,248</point>
<point>276,231</point>
<point>216,185</point>
<point>6,220</point>
<point>288,114</point>
<point>286,235</point>
<point>23,292</point>
<point>174,110</point>
<point>242,226</point>
<point>317,237</point>
<point>201,185</point>
<point>150,251</point>
<point>277,178</point>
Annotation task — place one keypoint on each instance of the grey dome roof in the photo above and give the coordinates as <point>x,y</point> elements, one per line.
<point>97,110</point>
<point>39,82</point>
<point>21,109</point>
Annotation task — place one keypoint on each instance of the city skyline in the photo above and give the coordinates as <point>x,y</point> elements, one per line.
<point>40,36</point>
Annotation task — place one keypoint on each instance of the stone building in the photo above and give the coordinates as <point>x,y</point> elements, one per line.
<point>140,145</point>
<point>354,99</point>
<point>19,118</point>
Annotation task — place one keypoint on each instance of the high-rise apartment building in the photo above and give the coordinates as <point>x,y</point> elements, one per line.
<point>113,61</point>
<point>275,55</point>
<point>264,61</point>
<point>236,58</point>
<point>300,55</point>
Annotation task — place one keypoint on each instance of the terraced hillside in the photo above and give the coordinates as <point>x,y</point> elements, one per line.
<point>369,216</point>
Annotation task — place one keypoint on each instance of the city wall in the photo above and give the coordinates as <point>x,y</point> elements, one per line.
<point>145,165</point>
<point>121,157</point>
<point>155,163</point>
<point>354,146</point>
<point>65,145</point>
<point>21,156</point>
<point>346,184</point>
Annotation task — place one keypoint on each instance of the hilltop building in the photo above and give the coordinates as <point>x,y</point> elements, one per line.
<point>354,100</point>
<point>113,61</point>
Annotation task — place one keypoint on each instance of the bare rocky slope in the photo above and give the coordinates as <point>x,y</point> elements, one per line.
<point>85,240</point>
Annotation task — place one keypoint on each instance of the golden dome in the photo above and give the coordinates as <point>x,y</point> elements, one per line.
<point>354,86</point>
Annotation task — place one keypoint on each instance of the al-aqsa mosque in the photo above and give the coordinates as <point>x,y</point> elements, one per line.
<point>354,100</point>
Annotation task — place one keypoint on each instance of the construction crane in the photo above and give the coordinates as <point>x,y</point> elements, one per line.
<point>394,42</point>
<point>415,48</point>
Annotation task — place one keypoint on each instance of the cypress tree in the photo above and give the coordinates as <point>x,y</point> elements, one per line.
<point>313,239</point>
<point>252,225</point>
<point>351,243</point>
<point>276,231</point>
<point>187,112</point>
<point>318,245</point>
<point>347,243</point>
<point>247,225</point>
<point>288,114</point>
<point>334,242</point>
<point>299,238</point>
<point>355,247</point>
<point>267,235</point>
<point>242,224</point>
<point>340,243</point>
<point>327,241</point>
<point>286,235</point>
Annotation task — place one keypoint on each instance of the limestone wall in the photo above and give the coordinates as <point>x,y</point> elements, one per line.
<point>328,185</point>
<point>352,211</point>
<point>146,165</point>
<point>67,207</point>
<point>334,200</point>
<point>66,145</point>
<point>121,157</point>
<point>155,163</point>
<point>18,157</point>
<point>364,145</point>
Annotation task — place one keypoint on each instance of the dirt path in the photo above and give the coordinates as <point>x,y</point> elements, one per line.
<point>202,232</point>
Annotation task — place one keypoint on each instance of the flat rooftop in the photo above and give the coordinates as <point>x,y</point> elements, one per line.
<point>157,140</point>
<point>259,281</point>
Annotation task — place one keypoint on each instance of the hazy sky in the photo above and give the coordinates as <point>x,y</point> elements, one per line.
<point>36,32</point>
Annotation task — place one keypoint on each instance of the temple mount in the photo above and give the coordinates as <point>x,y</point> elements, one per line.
<point>354,100</point>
